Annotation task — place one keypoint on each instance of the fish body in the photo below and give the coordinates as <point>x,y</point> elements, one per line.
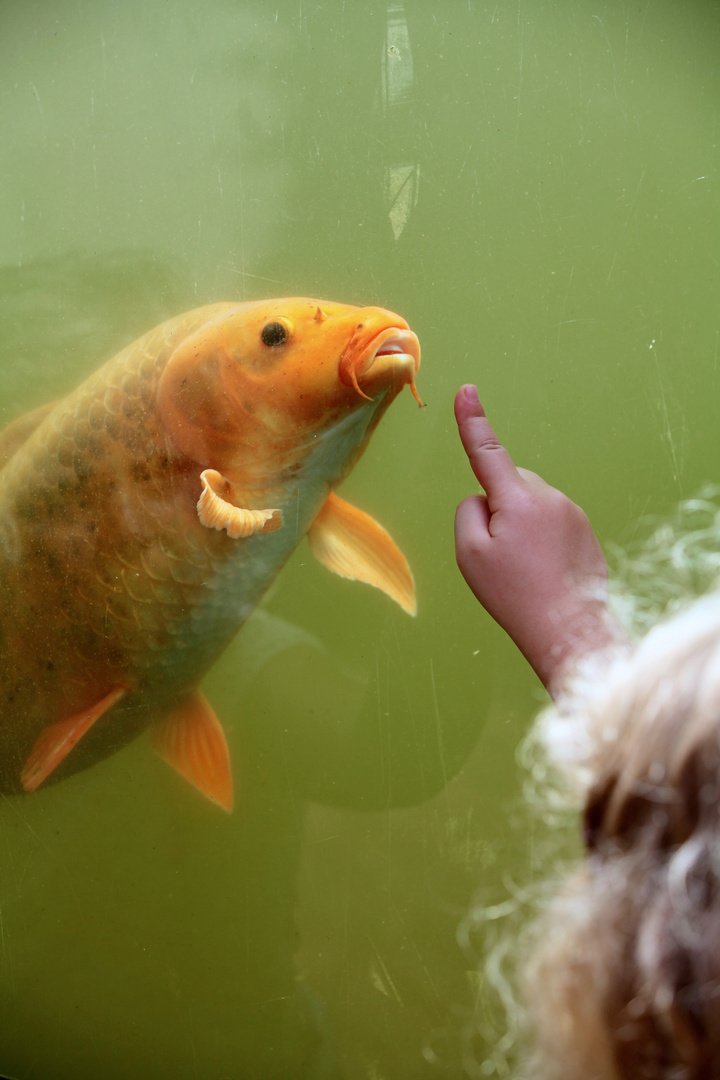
<point>143,517</point>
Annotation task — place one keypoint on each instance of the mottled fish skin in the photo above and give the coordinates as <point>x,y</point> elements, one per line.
<point>108,577</point>
<point>101,558</point>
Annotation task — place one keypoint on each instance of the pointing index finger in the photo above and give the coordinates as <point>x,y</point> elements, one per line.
<point>488,458</point>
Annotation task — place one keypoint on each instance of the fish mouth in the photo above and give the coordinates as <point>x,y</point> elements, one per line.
<point>392,356</point>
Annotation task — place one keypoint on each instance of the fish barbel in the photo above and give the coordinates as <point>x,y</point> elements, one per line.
<point>143,517</point>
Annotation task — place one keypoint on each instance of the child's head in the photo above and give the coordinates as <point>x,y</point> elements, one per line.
<point>623,980</point>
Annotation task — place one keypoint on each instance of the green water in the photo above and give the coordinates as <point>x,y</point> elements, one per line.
<point>534,186</point>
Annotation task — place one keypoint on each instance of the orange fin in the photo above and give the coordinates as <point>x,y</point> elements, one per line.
<point>217,512</point>
<point>191,740</point>
<point>352,544</point>
<point>56,741</point>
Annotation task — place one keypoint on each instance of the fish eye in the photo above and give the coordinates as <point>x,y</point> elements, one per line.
<point>274,333</point>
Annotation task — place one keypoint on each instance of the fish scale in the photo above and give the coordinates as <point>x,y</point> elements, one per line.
<point>131,543</point>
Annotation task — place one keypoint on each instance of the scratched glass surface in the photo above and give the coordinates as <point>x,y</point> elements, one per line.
<point>534,187</point>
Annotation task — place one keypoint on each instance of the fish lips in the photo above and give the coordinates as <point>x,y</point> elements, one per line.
<point>390,358</point>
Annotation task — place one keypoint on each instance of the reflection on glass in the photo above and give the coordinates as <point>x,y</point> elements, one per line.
<point>531,186</point>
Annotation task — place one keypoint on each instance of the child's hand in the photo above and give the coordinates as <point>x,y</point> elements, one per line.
<point>529,554</point>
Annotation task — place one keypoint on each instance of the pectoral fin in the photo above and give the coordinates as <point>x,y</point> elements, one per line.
<point>352,544</point>
<point>191,739</point>
<point>56,741</point>
<point>216,511</point>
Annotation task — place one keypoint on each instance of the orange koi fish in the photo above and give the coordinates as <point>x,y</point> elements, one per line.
<point>143,517</point>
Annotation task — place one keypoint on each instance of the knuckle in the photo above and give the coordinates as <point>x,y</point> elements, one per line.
<point>487,444</point>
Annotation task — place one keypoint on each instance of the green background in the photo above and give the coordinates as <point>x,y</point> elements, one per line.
<point>533,185</point>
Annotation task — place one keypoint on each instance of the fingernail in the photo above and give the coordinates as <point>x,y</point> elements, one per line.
<point>471,393</point>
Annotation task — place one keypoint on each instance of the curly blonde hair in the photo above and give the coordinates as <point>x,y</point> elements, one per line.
<point>623,976</point>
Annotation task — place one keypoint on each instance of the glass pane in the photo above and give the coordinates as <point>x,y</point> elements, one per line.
<point>533,187</point>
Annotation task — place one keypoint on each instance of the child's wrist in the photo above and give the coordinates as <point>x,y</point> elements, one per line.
<point>587,631</point>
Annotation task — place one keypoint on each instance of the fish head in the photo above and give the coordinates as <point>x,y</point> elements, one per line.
<point>252,390</point>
